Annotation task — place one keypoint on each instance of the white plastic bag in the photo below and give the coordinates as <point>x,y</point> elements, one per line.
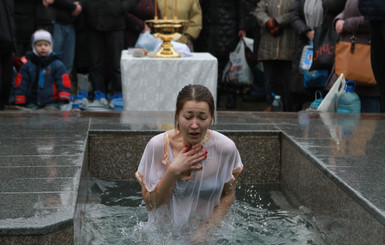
<point>237,71</point>
<point>329,103</point>
<point>147,41</point>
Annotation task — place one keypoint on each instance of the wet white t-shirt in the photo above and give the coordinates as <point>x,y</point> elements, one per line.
<point>197,193</point>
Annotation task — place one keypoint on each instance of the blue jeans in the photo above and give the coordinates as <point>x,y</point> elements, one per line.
<point>64,44</point>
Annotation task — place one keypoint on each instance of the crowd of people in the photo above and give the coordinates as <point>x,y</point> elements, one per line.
<point>87,36</point>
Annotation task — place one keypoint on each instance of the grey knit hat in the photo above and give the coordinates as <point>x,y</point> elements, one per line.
<point>41,35</point>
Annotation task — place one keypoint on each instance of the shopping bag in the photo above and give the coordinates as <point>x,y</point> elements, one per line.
<point>353,60</point>
<point>312,78</point>
<point>248,42</point>
<point>329,103</point>
<point>318,100</point>
<point>324,43</point>
<point>237,70</point>
<point>315,79</point>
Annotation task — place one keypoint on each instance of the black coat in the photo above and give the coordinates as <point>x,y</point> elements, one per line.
<point>372,9</point>
<point>250,24</point>
<point>104,15</point>
<point>64,9</point>
<point>25,15</point>
<point>219,35</point>
<point>7,26</point>
<point>45,17</point>
<point>331,9</point>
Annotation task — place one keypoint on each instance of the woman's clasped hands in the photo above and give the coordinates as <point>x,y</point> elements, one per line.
<point>188,160</point>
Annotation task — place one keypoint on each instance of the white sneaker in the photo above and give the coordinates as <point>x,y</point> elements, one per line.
<point>100,103</point>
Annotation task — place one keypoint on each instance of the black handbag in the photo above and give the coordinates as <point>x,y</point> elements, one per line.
<point>324,46</point>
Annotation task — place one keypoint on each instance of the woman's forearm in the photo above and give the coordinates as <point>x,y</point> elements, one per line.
<point>162,191</point>
<point>221,210</point>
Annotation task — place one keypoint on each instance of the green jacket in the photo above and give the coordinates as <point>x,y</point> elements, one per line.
<point>280,47</point>
<point>107,15</point>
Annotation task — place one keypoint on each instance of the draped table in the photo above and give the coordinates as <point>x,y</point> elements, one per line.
<point>152,84</point>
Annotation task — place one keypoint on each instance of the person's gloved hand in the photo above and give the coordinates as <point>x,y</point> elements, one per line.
<point>272,26</point>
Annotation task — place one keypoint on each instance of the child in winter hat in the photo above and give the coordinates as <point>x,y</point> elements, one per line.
<point>43,81</point>
<point>42,43</point>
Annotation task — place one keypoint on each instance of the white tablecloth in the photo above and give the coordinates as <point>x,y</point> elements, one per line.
<point>152,84</point>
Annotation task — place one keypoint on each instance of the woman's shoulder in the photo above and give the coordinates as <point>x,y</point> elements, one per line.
<point>157,140</point>
<point>223,140</point>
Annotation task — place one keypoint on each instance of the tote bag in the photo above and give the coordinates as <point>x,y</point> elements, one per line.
<point>353,60</point>
<point>324,44</point>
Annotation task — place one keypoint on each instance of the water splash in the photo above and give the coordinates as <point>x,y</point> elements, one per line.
<point>121,218</point>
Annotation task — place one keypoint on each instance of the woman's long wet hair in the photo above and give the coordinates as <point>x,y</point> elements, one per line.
<point>198,93</point>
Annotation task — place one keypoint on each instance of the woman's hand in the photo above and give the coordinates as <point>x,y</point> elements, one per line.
<point>310,35</point>
<point>339,26</point>
<point>188,160</point>
<point>77,10</point>
<point>47,2</point>
<point>146,28</point>
<point>185,160</point>
<point>241,33</point>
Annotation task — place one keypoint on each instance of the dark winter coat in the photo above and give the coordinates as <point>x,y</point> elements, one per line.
<point>25,15</point>
<point>7,26</point>
<point>372,9</point>
<point>54,86</point>
<point>64,9</point>
<point>45,17</point>
<point>331,9</point>
<point>219,35</point>
<point>135,21</point>
<point>249,23</point>
<point>108,15</point>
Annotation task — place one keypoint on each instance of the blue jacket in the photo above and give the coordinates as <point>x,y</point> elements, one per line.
<point>42,80</point>
<point>372,9</point>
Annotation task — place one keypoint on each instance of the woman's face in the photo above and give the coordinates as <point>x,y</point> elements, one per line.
<point>194,119</point>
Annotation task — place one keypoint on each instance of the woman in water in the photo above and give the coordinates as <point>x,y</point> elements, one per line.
<point>188,174</point>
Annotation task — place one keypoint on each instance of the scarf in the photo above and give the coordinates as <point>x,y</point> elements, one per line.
<point>313,11</point>
<point>40,62</point>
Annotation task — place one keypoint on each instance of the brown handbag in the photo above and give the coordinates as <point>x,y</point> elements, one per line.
<point>353,60</point>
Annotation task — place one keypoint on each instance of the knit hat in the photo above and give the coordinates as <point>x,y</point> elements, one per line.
<point>41,35</point>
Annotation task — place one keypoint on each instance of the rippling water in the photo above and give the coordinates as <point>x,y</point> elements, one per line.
<point>115,214</point>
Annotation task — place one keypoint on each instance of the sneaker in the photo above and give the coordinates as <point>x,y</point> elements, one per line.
<point>81,101</point>
<point>76,107</point>
<point>100,102</point>
<point>116,102</point>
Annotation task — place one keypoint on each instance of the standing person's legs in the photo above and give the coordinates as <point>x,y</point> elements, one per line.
<point>277,75</point>
<point>284,70</point>
<point>114,47</point>
<point>5,78</point>
<point>64,44</point>
<point>96,48</point>
<point>272,80</point>
<point>377,35</point>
